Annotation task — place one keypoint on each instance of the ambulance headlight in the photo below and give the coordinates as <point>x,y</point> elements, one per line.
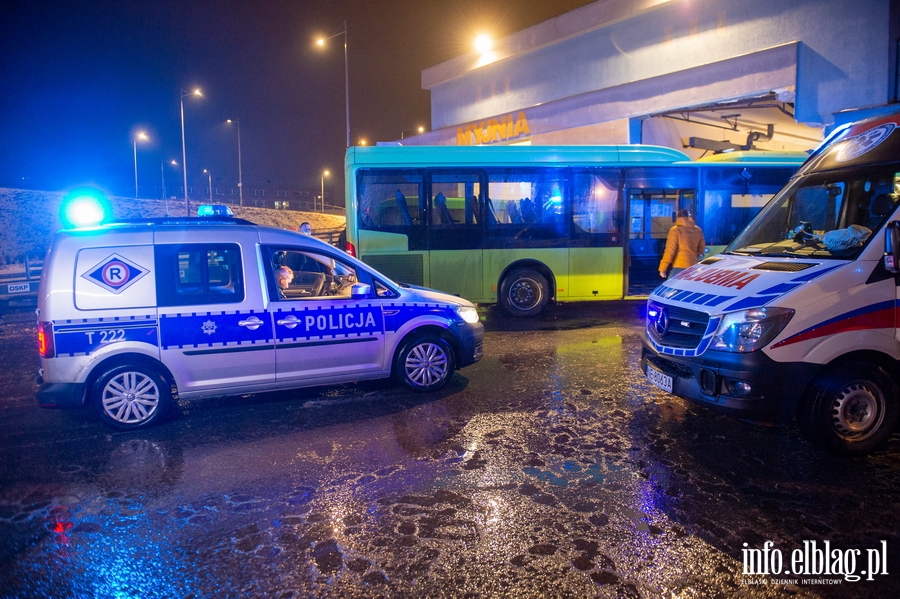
<point>750,330</point>
<point>468,314</point>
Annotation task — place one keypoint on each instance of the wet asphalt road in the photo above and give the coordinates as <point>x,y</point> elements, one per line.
<point>549,469</point>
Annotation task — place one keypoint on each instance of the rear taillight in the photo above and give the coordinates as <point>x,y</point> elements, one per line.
<point>351,249</point>
<point>45,339</point>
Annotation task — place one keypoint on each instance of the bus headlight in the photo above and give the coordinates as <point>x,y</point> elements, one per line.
<point>468,314</point>
<point>750,330</point>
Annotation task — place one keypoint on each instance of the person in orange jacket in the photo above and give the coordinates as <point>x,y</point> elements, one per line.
<point>684,245</point>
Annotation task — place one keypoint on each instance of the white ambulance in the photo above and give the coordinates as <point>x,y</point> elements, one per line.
<point>797,318</point>
<point>132,316</point>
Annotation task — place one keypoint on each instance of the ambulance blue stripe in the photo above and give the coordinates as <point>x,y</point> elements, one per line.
<point>715,300</point>
<point>814,275</point>
<point>780,289</point>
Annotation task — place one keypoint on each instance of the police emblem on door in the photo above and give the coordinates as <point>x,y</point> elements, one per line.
<point>115,274</point>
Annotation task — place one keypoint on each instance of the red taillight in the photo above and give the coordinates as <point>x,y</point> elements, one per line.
<point>45,339</point>
<point>351,249</point>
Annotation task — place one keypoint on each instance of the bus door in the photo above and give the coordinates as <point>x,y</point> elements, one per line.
<point>651,213</point>
<point>455,231</point>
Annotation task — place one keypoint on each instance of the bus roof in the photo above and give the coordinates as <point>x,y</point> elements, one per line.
<point>507,155</point>
<point>426,156</point>
<point>758,157</point>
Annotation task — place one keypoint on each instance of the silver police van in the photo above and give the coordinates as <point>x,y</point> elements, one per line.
<point>135,315</point>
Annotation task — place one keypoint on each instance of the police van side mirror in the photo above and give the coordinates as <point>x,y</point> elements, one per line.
<point>360,291</point>
<point>892,247</point>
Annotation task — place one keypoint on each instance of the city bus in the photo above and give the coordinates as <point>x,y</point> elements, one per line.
<point>524,225</point>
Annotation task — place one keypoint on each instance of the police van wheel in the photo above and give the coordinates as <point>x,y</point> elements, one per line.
<point>425,363</point>
<point>130,397</point>
<point>853,411</point>
<point>524,292</point>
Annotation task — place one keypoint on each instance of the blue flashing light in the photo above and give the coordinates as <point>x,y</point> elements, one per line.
<point>214,210</point>
<point>84,208</point>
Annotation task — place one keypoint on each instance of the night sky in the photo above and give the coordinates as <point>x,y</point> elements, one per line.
<point>81,78</point>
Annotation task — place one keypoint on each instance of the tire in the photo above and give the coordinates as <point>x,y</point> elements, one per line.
<point>425,363</point>
<point>131,396</point>
<point>524,292</point>
<point>853,411</point>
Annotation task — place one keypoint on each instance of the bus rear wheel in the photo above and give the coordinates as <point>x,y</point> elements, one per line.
<point>524,292</point>
<point>853,411</point>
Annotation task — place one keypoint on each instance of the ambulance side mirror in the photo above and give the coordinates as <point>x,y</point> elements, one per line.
<point>892,247</point>
<point>360,291</point>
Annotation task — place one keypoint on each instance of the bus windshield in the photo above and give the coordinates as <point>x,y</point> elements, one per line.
<point>823,215</point>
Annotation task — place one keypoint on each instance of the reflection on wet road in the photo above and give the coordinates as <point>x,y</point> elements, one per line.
<point>549,469</point>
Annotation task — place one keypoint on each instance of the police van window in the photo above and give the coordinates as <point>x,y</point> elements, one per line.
<point>303,275</point>
<point>189,275</point>
<point>382,290</point>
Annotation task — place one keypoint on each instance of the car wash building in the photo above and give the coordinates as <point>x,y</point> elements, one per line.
<point>702,76</point>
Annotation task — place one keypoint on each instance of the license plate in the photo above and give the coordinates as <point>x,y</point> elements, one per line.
<point>663,381</point>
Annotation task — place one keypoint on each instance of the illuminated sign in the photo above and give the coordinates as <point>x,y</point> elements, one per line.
<point>505,128</point>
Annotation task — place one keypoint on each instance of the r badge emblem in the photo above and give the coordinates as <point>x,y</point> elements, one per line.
<point>115,274</point>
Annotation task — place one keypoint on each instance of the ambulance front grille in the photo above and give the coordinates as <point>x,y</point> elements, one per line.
<point>674,326</point>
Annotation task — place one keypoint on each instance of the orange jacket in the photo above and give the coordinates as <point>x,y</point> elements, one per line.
<point>684,245</point>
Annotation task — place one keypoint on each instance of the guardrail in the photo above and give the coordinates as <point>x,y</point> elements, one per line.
<point>22,286</point>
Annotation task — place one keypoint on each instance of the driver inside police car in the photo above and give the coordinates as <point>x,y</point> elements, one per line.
<point>283,277</point>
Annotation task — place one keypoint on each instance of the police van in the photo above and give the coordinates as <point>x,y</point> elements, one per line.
<point>797,318</point>
<point>134,315</point>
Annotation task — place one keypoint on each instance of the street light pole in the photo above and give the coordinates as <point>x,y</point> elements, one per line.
<point>240,176</point>
<point>142,136</point>
<point>162,171</point>
<point>321,42</point>
<point>187,201</point>
<point>209,179</point>
<point>324,174</point>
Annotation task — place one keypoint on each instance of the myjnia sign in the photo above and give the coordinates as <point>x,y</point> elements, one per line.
<point>505,128</point>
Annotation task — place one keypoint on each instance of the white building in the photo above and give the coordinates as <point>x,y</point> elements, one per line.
<point>697,75</point>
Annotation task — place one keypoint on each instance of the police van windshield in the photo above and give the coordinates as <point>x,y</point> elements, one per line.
<point>823,215</point>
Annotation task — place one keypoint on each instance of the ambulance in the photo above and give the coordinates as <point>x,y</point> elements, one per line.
<point>133,316</point>
<point>796,320</point>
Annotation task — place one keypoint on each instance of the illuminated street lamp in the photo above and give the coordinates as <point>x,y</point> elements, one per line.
<point>142,137</point>
<point>187,201</point>
<point>209,179</point>
<point>417,130</point>
<point>240,177</point>
<point>321,42</point>
<point>483,44</point>
<point>324,174</point>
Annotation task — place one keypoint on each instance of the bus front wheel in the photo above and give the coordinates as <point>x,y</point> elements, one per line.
<point>853,411</point>
<point>524,292</point>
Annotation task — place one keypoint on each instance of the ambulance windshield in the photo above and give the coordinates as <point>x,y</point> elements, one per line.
<point>823,215</point>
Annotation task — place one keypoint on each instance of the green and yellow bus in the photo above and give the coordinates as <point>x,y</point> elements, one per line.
<point>521,225</point>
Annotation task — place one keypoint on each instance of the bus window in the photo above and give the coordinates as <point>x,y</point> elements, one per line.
<point>389,200</point>
<point>455,211</point>
<point>732,196</point>
<point>597,208</point>
<point>527,207</point>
